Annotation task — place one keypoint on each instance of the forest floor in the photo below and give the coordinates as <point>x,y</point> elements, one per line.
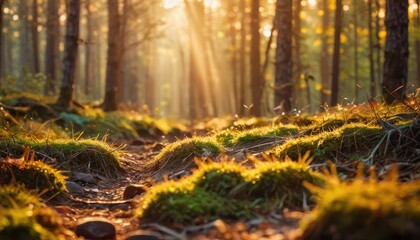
<point>224,178</point>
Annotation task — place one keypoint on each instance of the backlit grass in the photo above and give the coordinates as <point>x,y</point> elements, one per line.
<point>364,209</point>
<point>228,190</point>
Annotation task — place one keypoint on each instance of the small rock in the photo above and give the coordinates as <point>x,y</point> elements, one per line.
<point>74,187</point>
<point>142,235</point>
<point>83,177</point>
<point>95,228</point>
<point>133,190</point>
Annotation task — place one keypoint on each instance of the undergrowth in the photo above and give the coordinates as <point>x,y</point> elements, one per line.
<point>364,209</point>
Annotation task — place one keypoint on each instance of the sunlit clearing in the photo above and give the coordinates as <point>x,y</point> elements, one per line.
<point>413,7</point>
<point>213,4</point>
<point>168,4</point>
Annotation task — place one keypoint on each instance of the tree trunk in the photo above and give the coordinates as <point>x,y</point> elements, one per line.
<point>356,53</point>
<point>70,54</point>
<point>113,65</point>
<point>418,43</point>
<point>1,42</point>
<point>255,60</point>
<point>377,45</point>
<point>396,51</point>
<point>371,62</point>
<point>283,83</point>
<point>297,25</point>
<point>24,51</point>
<point>325,56</point>
<point>88,55</point>
<point>51,48</point>
<point>233,53</point>
<point>336,53</point>
<point>35,39</point>
<point>242,63</point>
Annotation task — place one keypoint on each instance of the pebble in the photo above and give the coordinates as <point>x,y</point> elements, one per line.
<point>141,235</point>
<point>74,187</point>
<point>83,177</point>
<point>95,228</point>
<point>133,190</point>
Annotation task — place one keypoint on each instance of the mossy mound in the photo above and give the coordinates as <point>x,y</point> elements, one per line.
<point>85,155</point>
<point>228,190</point>
<point>342,143</point>
<point>364,209</point>
<point>23,216</point>
<point>16,196</point>
<point>232,138</point>
<point>33,175</point>
<point>179,154</point>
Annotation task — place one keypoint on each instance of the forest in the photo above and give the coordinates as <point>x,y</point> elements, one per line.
<point>209,119</point>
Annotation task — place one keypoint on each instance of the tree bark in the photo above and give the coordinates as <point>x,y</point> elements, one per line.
<point>418,42</point>
<point>325,56</point>
<point>1,42</point>
<point>255,60</point>
<point>88,55</point>
<point>372,84</point>
<point>242,63</point>
<point>283,83</point>
<point>35,39</point>
<point>356,53</point>
<point>70,54</point>
<point>336,53</point>
<point>396,51</point>
<point>51,48</point>
<point>113,66</point>
<point>24,50</point>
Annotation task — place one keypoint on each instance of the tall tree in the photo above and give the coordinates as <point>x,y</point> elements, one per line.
<point>113,64</point>
<point>283,82</point>
<point>356,53</point>
<point>336,53</point>
<point>325,56</point>
<point>35,39</point>
<point>24,49</point>
<point>1,39</point>
<point>88,55</point>
<point>242,63</point>
<point>418,42</point>
<point>51,48</point>
<point>396,50</point>
<point>70,54</point>
<point>372,84</point>
<point>256,81</point>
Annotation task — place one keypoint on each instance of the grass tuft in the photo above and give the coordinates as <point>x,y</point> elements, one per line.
<point>364,209</point>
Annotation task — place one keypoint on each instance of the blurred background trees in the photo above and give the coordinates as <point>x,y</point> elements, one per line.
<point>198,59</point>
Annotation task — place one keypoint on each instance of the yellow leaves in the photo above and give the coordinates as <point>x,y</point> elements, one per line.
<point>343,38</point>
<point>382,34</point>
<point>318,86</point>
<point>302,15</point>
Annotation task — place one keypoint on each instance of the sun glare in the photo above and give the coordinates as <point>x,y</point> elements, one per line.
<point>168,4</point>
<point>213,4</point>
<point>312,3</point>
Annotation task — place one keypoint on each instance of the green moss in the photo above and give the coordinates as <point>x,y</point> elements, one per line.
<point>228,190</point>
<point>84,155</point>
<point>16,196</point>
<point>23,216</point>
<point>180,153</point>
<point>365,210</point>
<point>346,140</point>
<point>29,223</point>
<point>234,138</point>
<point>33,174</point>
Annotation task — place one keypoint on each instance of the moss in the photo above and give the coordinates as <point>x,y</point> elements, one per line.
<point>23,216</point>
<point>28,223</point>
<point>234,138</point>
<point>228,190</point>
<point>84,155</point>
<point>346,140</point>
<point>180,153</point>
<point>16,196</point>
<point>274,181</point>
<point>33,174</point>
<point>364,209</point>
